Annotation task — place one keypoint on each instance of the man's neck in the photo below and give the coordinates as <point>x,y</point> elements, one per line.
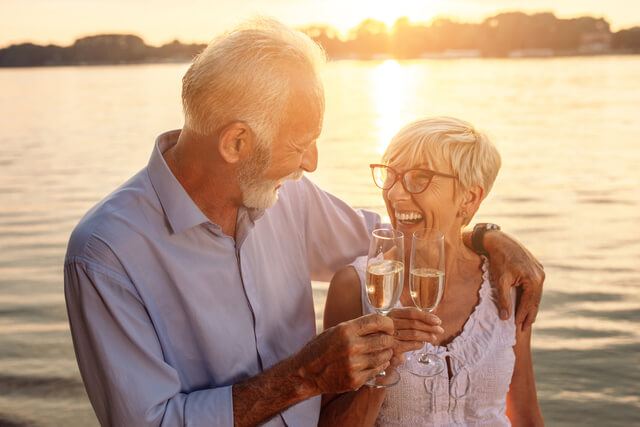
<point>207,180</point>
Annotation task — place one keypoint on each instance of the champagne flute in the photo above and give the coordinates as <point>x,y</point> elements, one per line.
<point>426,281</point>
<point>383,281</point>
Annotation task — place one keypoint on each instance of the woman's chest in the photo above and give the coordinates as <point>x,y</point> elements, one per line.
<point>454,314</point>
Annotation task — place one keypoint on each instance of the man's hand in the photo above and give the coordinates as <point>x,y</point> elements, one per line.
<point>338,360</point>
<point>412,328</point>
<point>344,357</point>
<point>513,265</point>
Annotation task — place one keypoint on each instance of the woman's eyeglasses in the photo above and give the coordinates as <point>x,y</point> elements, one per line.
<point>414,181</point>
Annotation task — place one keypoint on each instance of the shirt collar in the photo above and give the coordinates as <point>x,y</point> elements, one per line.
<point>180,210</point>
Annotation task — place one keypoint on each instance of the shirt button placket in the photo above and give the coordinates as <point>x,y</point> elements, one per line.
<point>253,314</point>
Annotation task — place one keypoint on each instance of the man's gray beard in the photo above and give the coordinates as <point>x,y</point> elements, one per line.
<point>257,192</point>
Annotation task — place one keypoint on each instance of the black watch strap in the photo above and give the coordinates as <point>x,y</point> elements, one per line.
<point>477,237</point>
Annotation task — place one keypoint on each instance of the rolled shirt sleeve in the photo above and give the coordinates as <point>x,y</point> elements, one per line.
<point>121,360</point>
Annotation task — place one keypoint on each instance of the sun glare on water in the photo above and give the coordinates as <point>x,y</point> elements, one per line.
<point>388,86</point>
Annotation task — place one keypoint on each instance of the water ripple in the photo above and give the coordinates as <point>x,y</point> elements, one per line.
<point>576,333</point>
<point>631,314</point>
<point>596,201</point>
<point>38,386</point>
<point>11,421</point>
<point>570,267</point>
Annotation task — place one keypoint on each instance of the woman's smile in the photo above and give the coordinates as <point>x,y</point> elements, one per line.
<point>409,218</point>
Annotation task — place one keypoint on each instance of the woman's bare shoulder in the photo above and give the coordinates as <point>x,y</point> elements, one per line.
<point>344,299</point>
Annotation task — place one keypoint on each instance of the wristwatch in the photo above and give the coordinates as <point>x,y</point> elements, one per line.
<point>477,237</point>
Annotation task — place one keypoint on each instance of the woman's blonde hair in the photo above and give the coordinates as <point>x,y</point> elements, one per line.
<point>246,75</point>
<point>471,155</point>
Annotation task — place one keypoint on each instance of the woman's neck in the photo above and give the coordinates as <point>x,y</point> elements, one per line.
<point>460,261</point>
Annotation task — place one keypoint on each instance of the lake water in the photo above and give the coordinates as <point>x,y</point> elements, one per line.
<point>568,131</point>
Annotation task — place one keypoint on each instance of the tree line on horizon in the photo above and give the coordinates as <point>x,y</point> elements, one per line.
<point>497,36</point>
<point>99,49</point>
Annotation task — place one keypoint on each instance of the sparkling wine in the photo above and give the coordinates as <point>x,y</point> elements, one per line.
<point>384,284</point>
<point>426,286</point>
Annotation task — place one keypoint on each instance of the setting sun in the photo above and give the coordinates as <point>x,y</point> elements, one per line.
<point>388,12</point>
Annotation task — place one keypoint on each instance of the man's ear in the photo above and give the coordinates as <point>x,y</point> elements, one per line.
<point>236,142</point>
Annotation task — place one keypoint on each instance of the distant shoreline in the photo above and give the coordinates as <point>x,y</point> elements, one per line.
<point>506,35</point>
<point>434,58</point>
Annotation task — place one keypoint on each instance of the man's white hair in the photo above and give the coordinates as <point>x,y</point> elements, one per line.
<point>246,75</point>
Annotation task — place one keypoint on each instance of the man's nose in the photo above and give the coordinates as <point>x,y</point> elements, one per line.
<point>310,158</point>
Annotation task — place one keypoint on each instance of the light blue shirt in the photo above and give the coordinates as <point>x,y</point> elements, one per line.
<point>167,312</point>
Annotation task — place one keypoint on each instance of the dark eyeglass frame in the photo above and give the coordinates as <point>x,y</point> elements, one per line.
<point>400,176</point>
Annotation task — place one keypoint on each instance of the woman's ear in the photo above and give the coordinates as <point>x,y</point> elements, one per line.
<point>470,201</point>
<point>236,142</point>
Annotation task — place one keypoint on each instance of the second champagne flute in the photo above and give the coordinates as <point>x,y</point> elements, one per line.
<point>426,281</point>
<point>383,281</point>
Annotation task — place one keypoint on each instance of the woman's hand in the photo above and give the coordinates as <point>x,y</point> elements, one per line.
<point>513,265</point>
<point>412,328</point>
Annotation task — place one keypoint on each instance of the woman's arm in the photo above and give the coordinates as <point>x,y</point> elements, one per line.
<point>344,298</point>
<point>356,408</point>
<point>522,400</point>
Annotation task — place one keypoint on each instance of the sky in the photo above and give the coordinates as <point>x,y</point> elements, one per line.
<point>161,21</point>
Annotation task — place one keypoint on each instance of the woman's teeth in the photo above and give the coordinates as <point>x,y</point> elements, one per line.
<point>409,217</point>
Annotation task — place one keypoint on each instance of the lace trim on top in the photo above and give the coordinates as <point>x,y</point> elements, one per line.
<point>480,372</point>
<point>479,331</point>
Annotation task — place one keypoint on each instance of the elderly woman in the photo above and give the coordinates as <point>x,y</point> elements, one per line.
<point>436,173</point>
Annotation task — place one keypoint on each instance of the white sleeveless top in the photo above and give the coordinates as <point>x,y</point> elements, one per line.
<point>481,360</point>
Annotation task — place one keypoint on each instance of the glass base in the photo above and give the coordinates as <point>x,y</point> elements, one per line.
<point>425,364</point>
<point>384,379</point>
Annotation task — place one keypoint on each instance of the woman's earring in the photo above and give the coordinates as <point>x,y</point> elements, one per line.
<point>464,214</point>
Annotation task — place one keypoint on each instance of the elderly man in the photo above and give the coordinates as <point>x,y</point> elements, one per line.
<point>188,288</point>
